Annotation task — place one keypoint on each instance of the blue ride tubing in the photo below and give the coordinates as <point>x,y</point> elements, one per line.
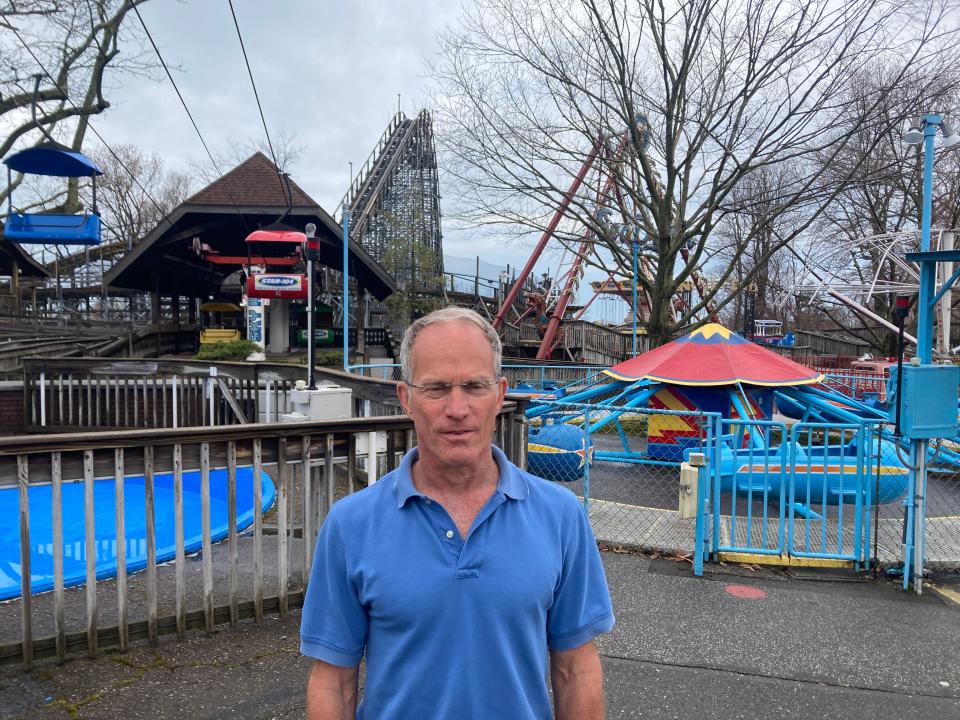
<point>74,545</point>
<point>559,451</point>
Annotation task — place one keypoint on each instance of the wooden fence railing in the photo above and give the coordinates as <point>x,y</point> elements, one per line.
<point>536,374</point>
<point>74,394</point>
<point>305,466</point>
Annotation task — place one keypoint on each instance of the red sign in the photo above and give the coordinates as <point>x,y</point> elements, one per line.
<point>273,285</point>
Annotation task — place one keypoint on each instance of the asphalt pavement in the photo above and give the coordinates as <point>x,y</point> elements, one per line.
<point>739,643</point>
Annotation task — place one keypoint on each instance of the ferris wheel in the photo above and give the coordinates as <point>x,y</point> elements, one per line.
<point>855,271</point>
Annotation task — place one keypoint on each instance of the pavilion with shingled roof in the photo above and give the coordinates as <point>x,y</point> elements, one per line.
<point>176,259</point>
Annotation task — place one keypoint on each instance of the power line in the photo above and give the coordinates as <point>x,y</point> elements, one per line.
<point>190,115</point>
<point>256,95</point>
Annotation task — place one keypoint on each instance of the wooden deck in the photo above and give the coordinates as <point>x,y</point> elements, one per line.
<point>581,341</point>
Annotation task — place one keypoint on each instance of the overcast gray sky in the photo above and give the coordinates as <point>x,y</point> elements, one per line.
<point>327,71</point>
<point>328,75</point>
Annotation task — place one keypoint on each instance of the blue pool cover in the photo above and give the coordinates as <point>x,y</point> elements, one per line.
<point>74,544</point>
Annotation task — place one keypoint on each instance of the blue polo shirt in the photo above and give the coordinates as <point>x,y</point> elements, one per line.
<point>454,628</point>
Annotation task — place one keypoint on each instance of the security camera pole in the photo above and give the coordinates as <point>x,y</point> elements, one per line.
<point>313,250</point>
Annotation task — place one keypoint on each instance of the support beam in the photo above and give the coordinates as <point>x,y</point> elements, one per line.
<point>15,286</point>
<point>155,308</point>
<point>361,323</point>
<point>857,307</point>
<point>946,243</point>
<point>545,238</point>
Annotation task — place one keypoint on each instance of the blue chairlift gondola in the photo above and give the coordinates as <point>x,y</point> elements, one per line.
<point>52,158</point>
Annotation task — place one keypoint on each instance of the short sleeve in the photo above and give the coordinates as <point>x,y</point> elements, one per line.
<point>333,627</point>
<point>581,606</point>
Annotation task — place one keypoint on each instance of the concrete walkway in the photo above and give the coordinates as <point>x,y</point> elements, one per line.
<point>734,644</point>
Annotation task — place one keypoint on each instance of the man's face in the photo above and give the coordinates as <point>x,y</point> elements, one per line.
<point>456,428</point>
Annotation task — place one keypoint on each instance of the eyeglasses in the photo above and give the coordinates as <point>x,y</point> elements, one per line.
<point>472,388</point>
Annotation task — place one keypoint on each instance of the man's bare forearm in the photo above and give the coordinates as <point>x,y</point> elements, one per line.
<point>577,678</point>
<point>332,692</point>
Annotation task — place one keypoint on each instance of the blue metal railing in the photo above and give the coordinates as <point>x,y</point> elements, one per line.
<point>755,470</point>
<point>843,476</point>
<point>808,493</point>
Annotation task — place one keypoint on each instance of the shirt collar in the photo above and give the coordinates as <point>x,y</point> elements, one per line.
<point>511,483</point>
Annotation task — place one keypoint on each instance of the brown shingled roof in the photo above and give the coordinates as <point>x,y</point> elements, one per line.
<point>252,183</point>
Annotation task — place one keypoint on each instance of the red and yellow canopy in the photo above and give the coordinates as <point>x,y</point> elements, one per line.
<point>713,355</point>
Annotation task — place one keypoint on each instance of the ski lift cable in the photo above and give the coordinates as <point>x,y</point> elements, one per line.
<point>256,95</point>
<point>33,109</point>
<point>186,109</point>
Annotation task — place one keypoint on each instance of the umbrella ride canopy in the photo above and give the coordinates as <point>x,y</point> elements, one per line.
<point>713,355</point>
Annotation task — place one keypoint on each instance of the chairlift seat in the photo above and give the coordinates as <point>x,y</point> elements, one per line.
<point>41,229</point>
<point>212,336</point>
<point>53,159</point>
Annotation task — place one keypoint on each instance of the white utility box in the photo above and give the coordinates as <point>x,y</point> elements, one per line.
<point>327,402</point>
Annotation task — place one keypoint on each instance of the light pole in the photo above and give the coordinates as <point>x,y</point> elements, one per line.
<point>346,290</point>
<point>924,131</point>
<point>915,133</point>
<point>312,252</point>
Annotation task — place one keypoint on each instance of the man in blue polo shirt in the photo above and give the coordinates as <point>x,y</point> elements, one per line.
<point>464,579</point>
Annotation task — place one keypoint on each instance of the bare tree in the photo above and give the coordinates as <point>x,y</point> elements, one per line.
<point>750,243</point>
<point>878,210</point>
<point>68,45</point>
<point>135,193</point>
<point>287,148</point>
<point>677,105</point>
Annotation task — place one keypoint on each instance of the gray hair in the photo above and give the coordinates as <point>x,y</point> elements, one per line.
<point>448,315</point>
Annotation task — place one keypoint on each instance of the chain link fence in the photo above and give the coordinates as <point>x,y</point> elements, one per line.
<point>942,543</point>
<point>625,466</point>
<point>942,505</point>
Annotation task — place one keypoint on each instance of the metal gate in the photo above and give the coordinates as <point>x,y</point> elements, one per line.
<point>790,495</point>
